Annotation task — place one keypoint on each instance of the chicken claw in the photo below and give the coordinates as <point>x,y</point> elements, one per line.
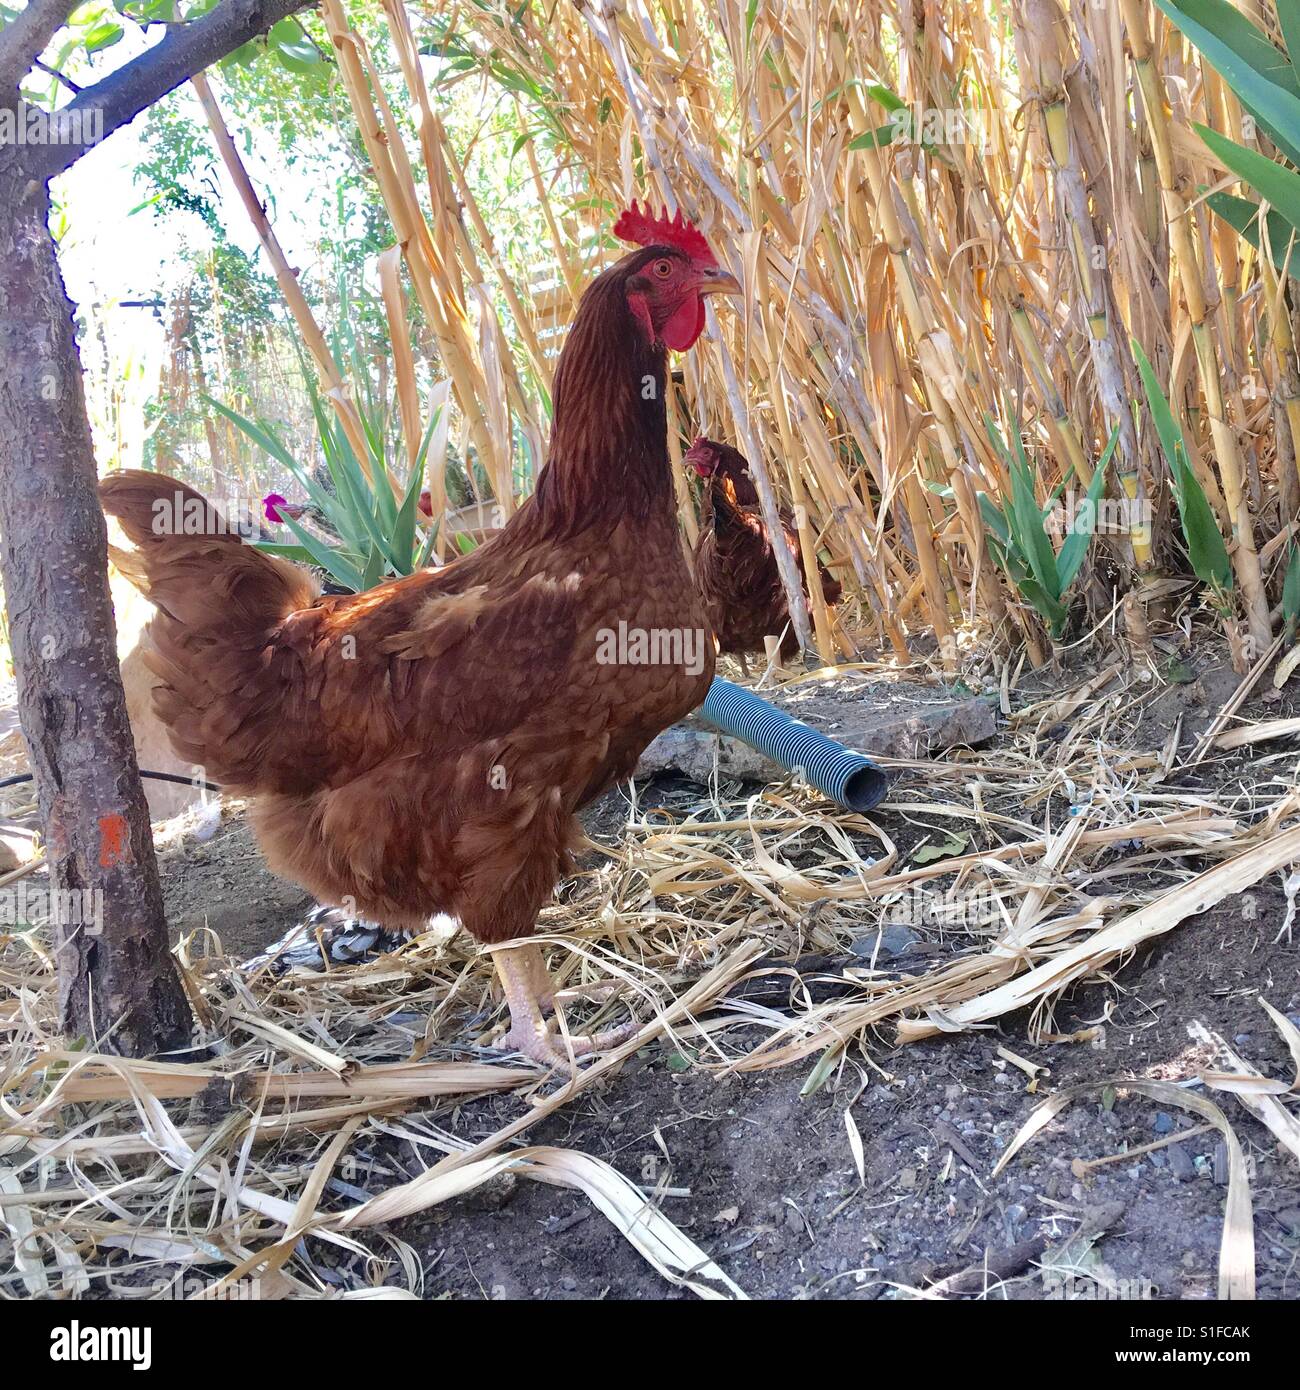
<point>529,992</point>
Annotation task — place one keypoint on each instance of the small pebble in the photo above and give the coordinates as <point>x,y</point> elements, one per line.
<point>894,940</point>
<point>1180,1163</point>
<point>1164,1123</point>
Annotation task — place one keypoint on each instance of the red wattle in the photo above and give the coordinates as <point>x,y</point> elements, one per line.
<point>686,324</point>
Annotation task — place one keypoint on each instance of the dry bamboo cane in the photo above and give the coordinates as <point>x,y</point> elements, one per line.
<point>767,501</point>
<point>445,312</point>
<point>1043,41</point>
<point>336,388</point>
<point>933,351</point>
<point>448,190</point>
<point>985,271</point>
<point>868,568</point>
<point>807,546</point>
<point>1286,386</point>
<point>755,274</point>
<point>1244,558</point>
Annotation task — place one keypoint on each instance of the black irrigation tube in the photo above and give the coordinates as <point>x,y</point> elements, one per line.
<point>184,781</point>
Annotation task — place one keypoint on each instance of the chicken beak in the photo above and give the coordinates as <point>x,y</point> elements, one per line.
<point>715,280</point>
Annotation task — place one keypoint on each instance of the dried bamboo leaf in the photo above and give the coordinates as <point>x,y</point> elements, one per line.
<point>1237,1244</point>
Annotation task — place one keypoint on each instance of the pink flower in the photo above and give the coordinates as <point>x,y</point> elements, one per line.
<point>271,503</point>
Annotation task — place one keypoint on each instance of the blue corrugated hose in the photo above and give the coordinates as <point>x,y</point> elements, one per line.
<point>849,778</point>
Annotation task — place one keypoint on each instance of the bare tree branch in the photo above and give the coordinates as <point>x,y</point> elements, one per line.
<point>24,40</point>
<point>57,75</point>
<point>122,95</point>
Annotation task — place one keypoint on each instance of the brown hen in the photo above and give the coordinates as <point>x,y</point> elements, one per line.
<point>735,567</point>
<point>423,747</point>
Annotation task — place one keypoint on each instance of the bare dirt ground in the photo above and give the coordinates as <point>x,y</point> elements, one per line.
<point>1107,1201</point>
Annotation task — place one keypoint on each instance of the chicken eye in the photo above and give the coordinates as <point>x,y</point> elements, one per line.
<point>663,269</point>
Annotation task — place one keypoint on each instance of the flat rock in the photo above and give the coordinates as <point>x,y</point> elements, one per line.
<point>696,751</point>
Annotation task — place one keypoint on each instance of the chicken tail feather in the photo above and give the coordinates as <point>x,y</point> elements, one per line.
<point>220,604</point>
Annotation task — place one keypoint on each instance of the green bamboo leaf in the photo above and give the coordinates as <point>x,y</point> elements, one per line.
<point>875,139</point>
<point>404,526</point>
<point>1171,435</point>
<point>889,99</point>
<point>1288,15</point>
<point>359,499</point>
<point>259,434</point>
<point>994,518</point>
<point>269,443</point>
<point>1049,608</point>
<point>1291,593</point>
<point>1243,214</point>
<point>1226,25</point>
<point>1259,73</point>
<point>299,554</point>
<point>328,557</point>
<point>1205,547</point>
<point>1278,184</point>
<point>1027,524</point>
<point>374,570</point>
<point>1083,528</point>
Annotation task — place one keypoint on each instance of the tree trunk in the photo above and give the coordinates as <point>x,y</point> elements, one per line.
<point>118,986</point>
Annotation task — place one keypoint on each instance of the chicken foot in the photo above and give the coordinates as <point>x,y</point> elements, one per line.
<point>530,992</point>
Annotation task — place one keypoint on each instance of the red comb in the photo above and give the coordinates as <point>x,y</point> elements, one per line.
<point>641,229</point>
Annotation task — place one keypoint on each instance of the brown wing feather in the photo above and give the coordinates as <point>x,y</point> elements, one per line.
<point>272,688</point>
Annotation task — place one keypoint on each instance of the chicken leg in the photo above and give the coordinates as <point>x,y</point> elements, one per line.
<point>530,991</point>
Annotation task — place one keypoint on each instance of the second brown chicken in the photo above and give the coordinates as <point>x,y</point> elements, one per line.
<point>735,566</point>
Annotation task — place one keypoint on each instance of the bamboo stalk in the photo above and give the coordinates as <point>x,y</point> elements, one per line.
<point>336,389</point>
<point>1190,274</point>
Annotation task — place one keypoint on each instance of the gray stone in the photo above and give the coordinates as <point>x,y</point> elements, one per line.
<point>695,750</point>
<point>1180,1163</point>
